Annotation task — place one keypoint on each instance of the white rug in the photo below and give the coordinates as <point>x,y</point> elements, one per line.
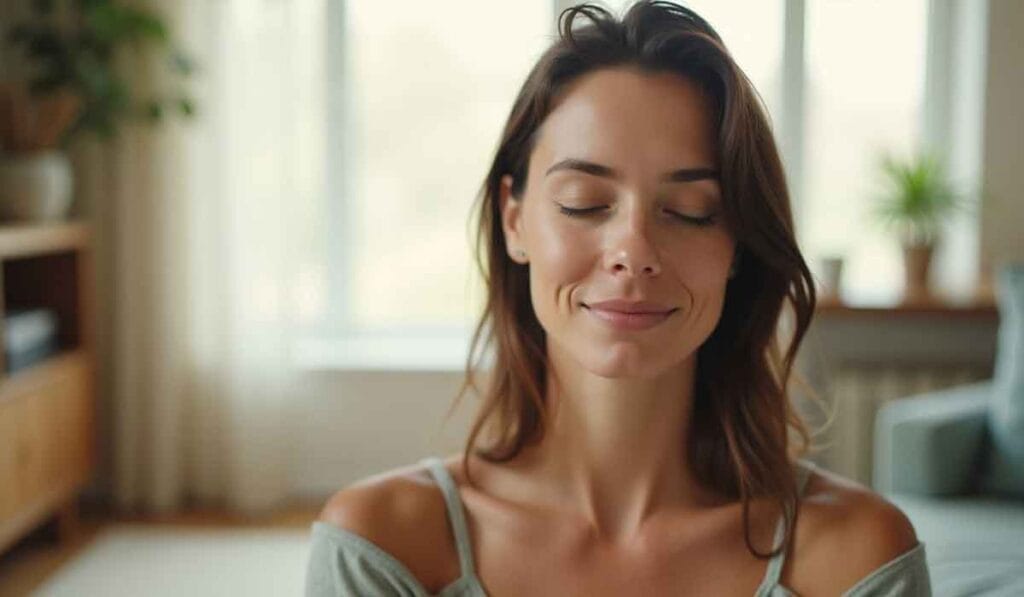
<point>133,560</point>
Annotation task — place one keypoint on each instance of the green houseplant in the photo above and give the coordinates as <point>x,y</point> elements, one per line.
<point>74,86</point>
<point>917,200</point>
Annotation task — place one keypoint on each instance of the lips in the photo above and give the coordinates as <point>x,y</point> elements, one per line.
<point>625,315</point>
<point>631,307</point>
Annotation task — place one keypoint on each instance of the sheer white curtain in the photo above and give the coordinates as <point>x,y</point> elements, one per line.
<point>203,220</point>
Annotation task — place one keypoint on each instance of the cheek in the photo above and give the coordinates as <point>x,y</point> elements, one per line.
<point>701,267</point>
<point>560,260</point>
<point>701,264</point>
<point>562,257</point>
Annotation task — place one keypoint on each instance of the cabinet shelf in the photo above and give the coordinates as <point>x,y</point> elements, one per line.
<point>27,240</point>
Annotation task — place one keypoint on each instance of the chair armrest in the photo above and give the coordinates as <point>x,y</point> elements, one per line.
<point>928,444</point>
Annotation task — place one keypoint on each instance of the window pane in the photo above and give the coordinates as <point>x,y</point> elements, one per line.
<point>865,75</point>
<point>431,85</point>
<point>752,31</point>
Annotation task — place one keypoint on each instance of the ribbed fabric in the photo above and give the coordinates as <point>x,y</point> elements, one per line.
<point>344,563</point>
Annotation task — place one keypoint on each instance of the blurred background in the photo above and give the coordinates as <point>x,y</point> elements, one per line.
<point>237,270</point>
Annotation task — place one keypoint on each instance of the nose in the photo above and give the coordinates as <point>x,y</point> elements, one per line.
<point>632,253</point>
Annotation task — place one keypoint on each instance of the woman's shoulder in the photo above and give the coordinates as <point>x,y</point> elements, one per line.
<point>402,511</point>
<point>842,521</point>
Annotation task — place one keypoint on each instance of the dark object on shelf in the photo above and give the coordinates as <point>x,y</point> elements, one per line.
<point>30,336</point>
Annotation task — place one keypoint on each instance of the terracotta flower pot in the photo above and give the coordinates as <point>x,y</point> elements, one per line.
<point>917,261</point>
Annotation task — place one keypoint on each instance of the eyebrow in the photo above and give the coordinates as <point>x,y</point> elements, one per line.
<point>680,175</point>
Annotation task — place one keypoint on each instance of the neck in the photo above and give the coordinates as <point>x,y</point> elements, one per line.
<point>615,450</point>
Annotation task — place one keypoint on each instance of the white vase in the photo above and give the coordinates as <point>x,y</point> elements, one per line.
<point>35,186</point>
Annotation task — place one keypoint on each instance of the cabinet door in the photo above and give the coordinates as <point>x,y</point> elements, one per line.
<point>46,438</point>
<point>72,423</point>
<point>35,466</point>
<point>10,417</point>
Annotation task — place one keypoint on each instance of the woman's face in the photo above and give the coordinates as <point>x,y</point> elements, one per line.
<point>637,151</point>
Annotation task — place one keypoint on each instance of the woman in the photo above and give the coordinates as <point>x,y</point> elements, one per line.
<point>640,250</point>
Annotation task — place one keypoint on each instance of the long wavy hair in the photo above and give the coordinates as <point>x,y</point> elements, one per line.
<point>740,440</point>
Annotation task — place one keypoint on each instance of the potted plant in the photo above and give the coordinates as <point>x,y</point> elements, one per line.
<point>917,199</point>
<point>73,87</point>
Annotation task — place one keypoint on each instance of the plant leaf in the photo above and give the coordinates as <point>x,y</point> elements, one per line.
<point>187,106</point>
<point>81,60</point>
<point>916,198</point>
<point>154,111</point>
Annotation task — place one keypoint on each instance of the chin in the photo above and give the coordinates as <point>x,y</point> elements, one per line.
<point>617,363</point>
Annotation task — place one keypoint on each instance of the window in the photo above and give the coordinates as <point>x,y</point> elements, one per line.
<point>429,86</point>
<point>862,96</point>
<point>417,97</point>
<point>753,32</point>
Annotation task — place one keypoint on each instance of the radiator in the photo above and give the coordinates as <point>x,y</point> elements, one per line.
<point>857,392</point>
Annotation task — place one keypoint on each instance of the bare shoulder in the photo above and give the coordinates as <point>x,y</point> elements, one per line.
<point>842,521</point>
<point>402,511</point>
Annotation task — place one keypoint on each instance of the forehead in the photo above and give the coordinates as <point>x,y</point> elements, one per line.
<point>629,117</point>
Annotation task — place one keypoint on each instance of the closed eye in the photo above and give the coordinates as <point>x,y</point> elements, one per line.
<point>697,221</point>
<point>572,211</point>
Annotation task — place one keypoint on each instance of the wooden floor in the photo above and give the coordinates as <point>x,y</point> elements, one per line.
<point>30,562</point>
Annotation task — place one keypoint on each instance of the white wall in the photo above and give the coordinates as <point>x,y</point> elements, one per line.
<point>351,424</point>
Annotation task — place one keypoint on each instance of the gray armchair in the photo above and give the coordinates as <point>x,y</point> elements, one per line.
<point>929,455</point>
<point>951,460</point>
<point>933,444</point>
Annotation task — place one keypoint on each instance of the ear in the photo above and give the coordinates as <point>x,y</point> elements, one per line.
<point>511,220</point>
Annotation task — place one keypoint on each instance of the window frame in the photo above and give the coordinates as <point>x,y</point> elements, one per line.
<point>331,344</point>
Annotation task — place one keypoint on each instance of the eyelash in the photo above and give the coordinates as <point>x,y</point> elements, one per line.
<point>578,213</point>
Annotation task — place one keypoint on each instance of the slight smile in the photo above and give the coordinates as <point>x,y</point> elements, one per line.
<point>622,320</point>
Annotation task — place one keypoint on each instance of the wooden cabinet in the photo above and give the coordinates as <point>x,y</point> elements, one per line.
<point>47,410</point>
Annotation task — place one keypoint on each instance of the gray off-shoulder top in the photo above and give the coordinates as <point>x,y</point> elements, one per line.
<point>345,563</point>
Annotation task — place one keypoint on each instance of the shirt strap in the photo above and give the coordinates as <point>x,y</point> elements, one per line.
<point>456,514</point>
<point>774,571</point>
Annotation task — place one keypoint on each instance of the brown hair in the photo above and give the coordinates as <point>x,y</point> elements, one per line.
<point>742,417</point>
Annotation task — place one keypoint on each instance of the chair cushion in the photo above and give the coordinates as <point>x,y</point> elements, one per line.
<point>1005,466</point>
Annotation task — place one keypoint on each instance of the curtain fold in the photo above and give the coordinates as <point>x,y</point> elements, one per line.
<point>205,220</point>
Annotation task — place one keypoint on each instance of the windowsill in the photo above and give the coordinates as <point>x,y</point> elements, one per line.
<point>443,352</point>
<point>979,304</point>
<point>924,308</point>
